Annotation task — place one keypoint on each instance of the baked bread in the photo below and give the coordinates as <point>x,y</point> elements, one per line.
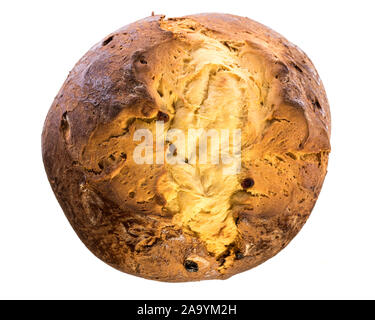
<point>188,221</point>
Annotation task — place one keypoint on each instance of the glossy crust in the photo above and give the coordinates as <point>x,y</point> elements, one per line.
<point>134,217</point>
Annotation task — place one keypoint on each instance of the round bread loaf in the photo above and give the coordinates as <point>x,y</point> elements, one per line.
<point>187,220</point>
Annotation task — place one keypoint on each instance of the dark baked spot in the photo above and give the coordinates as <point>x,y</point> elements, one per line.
<point>223,258</point>
<point>237,220</point>
<point>161,116</point>
<point>100,165</point>
<point>191,266</point>
<point>131,194</point>
<point>239,255</point>
<point>160,92</point>
<point>64,122</point>
<point>123,155</point>
<point>106,41</point>
<point>298,68</point>
<point>317,103</point>
<point>291,155</point>
<point>160,200</point>
<point>247,183</point>
<point>64,125</point>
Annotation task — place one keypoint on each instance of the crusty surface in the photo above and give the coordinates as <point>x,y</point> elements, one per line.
<point>188,222</point>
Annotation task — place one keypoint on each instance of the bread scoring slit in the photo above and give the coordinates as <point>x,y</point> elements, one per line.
<point>213,92</point>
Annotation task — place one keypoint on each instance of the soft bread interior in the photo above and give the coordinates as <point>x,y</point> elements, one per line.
<point>212,91</point>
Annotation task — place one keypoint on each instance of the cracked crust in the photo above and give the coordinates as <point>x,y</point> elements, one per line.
<point>188,222</point>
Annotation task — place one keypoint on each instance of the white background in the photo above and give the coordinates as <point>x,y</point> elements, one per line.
<point>40,255</point>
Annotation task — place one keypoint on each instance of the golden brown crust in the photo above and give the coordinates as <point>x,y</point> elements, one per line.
<point>133,216</point>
